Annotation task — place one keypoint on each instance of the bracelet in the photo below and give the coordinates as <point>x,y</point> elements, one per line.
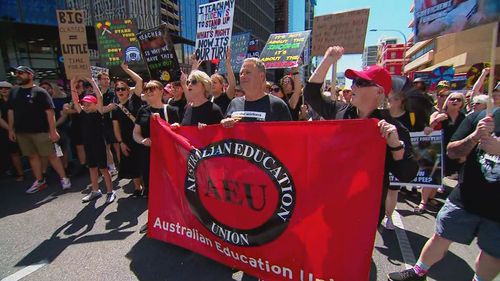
<point>401,146</point>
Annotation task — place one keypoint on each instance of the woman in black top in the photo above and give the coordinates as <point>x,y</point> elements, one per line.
<point>219,97</point>
<point>292,87</point>
<point>200,111</point>
<point>124,116</point>
<point>153,92</point>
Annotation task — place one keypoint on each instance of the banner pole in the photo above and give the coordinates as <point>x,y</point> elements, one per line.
<point>334,81</point>
<point>494,38</point>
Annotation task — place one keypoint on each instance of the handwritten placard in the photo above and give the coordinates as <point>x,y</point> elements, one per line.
<point>74,48</point>
<point>283,50</point>
<point>347,29</point>
<point>239,49</point>
<point>214,29</point>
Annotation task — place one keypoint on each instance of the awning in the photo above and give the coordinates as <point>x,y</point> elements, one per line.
<point>454,61</point>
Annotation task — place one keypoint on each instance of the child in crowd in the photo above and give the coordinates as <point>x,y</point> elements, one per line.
<point>90,109</point>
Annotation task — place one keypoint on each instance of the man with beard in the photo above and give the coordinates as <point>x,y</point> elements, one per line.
<point>32,123</point>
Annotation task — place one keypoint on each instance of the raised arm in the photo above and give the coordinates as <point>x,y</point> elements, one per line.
<point>184,82</point>
<point>480,81</point>
<point>98,95</point>
<point>137,79</point>
<point>332,55</point>
<point>195,63</point>
<point>297,90</point>
<point>231,80</point>
<point>74,96</point>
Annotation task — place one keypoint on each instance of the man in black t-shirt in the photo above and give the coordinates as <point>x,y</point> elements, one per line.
<point>108,99</point>
<point>256,105</point>
<point>472,209</point>
<point>32,123</point>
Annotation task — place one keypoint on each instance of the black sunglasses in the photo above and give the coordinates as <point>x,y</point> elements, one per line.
<point>275,89</point>
<point>362,83</point>
<point>455,99</point>
<point>192,82</point>
<point>118,89</point>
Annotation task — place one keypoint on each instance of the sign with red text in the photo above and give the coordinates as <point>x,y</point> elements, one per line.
<point>214,29</point>
<point>284,50</point>
<point>346,29</point>
<point>239,196</point>
<point>74,48</point>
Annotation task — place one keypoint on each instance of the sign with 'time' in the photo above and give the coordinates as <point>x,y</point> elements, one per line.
<point>74,48</point>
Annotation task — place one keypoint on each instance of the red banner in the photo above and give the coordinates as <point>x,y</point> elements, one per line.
<point>280,201</point>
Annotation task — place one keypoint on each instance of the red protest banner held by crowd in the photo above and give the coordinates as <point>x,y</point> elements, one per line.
<point>280,201</point>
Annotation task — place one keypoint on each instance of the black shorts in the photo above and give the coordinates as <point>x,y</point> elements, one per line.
<point>95,154</point>
<point>109,134</point>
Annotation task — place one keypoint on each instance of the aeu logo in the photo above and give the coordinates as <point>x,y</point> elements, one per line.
<point>240,192</point>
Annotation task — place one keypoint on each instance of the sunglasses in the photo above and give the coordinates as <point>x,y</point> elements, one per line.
<point>477,103</point>
<point>4,88</point>
<point>275,89</point>
<point>118,89</point>
<point>362,83</point>
<point>192,82</point>
<point>455,99</point>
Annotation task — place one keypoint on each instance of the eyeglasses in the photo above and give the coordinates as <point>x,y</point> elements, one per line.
<point>362,83</point>
<point>455,99</point>
<point>118,89</point>
<point>275,89</point>
<point>477,103</point>
<point>192,82</point>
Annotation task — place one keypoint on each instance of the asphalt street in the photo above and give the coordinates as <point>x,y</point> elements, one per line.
<point>51,235</point>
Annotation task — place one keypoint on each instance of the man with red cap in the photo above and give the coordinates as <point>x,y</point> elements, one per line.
<point>370,87</point>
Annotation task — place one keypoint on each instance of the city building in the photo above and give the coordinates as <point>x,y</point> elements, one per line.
<point>391,57</point>
<point>369,56</point>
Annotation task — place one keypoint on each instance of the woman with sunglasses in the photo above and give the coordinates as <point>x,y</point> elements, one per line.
<point>200,111</point>
<point>123,117</point>
<point>292,87</point>
<point>448,120</point>
<point>370,87</point>
<point>277,91</point>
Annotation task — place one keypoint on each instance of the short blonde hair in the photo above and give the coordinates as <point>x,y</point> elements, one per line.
<point>202,77</point>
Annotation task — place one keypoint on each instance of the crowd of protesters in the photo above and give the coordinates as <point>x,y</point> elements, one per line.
<point>107,126</point>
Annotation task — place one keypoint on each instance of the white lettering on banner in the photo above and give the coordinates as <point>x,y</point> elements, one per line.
<point>260,116</point>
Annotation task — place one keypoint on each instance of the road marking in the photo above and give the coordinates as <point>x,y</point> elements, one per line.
<point>404,243</point>
<point>25,271</point>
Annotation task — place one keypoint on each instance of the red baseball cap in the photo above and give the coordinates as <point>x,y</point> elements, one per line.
<point>375,74</point>
<point>89,98</point>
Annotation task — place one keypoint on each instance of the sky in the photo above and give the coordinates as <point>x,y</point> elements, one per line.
<point>384,14</point>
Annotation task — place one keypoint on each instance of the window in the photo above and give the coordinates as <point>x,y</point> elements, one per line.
<point>393,55</point>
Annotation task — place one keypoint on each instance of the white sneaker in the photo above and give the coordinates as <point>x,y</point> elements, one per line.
<point>92,196</point>
<point>37,186</point>
<point>65,183</point>
<point>389,225</point>
<point>110,197</point>
<point>113,172</point>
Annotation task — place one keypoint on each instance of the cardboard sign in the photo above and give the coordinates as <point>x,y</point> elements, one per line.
<point>283,50</point>
<point>239,49</point>
<point>214,29</point>
<point>117,42</point>
<point>436,18</point>
<point>428,151</point>
<point>347,29</point>
<point>159,53</point>
<point>74,48</point>
<point>245,201</point>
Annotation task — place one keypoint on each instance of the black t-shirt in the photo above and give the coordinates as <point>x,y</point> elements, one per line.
<point>478,190</point>
<point>29,105</point>
<point>267,108</point>
<point>222,101</point>
<point>108,97</point>
<point>132,106</point>
<point>58,107</point>
<point>295,112</point>
<point>145,113</point>
<point>92,126</point>
<point>180,104</point>
<point>449,128</point>
<point>208,113</point>
<point>405,120</point>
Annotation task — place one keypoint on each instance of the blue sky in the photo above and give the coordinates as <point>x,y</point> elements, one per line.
<point>384,14</point>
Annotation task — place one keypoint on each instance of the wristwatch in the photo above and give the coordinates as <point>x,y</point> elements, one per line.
<point>399,147</point>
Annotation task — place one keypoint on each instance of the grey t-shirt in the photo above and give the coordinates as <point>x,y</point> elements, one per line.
<point>268,108</point>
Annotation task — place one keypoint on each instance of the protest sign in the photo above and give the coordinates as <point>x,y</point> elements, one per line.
<point>244,200</point>
<point>254,48</point>
<point>474,72</point>
<point>283,50</point>
<point>117,42</point>
<point>159,53</point>
<point>429,155</point>
<point>435,18</point>
<point>74,48</point>
<point>214,29</point>
<point>239,49</point>
<point>95,70</point>
<point>346,29</point>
